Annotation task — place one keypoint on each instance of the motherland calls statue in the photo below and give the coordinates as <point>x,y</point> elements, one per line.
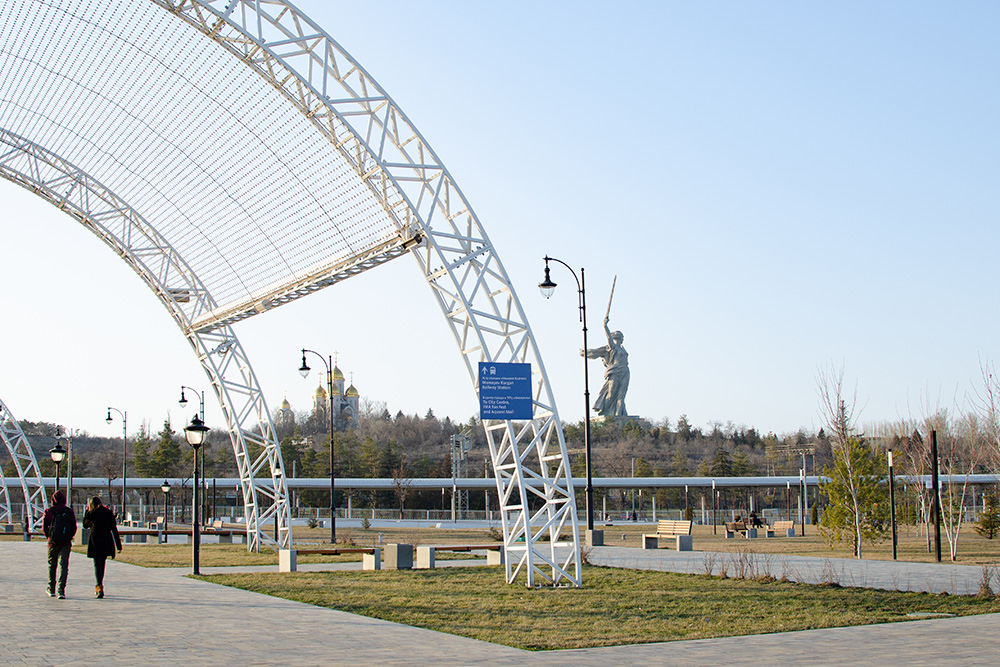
<point>610,402</point>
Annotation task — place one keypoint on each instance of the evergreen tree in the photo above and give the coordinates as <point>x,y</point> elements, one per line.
<point>741,464</point>
<point>722,464</point>
<point>167,456</point>
<point>679,464</point>
<point>989,519</point>
<point>290,455</point>
<point>858,511</point>
<point>141,462</point>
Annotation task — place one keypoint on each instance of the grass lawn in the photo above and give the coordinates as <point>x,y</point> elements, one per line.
<point>615,606</point>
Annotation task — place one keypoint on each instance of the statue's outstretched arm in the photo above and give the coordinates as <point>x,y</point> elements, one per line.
<point>607,331</point>
<point>596,353</point>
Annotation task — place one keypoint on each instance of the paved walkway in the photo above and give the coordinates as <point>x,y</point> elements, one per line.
<point>158,617</point>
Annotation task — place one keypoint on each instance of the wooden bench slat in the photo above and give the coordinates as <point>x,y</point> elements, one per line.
<point>671,527</point>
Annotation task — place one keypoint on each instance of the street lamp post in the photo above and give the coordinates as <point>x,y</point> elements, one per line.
<point>802,500</point>
<point>58,455</point>
<point>304,370</point>
<point>124,455</point>
<point>165,487</point>
<point>69,465</point>
<point>547,287</point>
<point>715,509</point>
<point>788,498</point>
<point>201,414</point>
<point>195,435</point>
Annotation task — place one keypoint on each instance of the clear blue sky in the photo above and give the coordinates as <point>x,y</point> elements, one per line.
<point>778,187</point>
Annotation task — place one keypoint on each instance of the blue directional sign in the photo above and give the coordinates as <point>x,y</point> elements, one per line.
<point>504,391</point>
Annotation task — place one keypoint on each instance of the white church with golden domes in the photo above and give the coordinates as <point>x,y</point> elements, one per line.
<point>345,403</point>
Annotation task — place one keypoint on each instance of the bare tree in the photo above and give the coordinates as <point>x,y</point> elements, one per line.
<point>401,483</point>
<point>987,405</point>
<point>914,459</point>
<point>854,485</point>
<point>960,452</point>
<point>109,464</point>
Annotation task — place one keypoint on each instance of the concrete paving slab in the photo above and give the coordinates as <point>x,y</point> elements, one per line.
<point>159,617</point>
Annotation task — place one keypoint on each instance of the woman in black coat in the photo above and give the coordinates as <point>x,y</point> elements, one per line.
<point>104,539</point>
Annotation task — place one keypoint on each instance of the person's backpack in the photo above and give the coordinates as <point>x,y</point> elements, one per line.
<point>63,527</point>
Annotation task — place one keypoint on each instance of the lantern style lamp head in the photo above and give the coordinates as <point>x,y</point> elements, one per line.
<point>196,432</point>
<point>304,369</point>
<point>108,420</point>
<point>165,487</point>
<point>547,287</point>
<point>183,402</point>
<point>57,453</point>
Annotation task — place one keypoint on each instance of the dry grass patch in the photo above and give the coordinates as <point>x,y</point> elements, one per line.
<point>615,607</point>
<point>973,549</point>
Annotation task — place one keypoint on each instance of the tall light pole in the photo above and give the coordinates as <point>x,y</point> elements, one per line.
<point>201,414</point>
<point>124,455</point>
<point>548,287</point>
<point>892,505</point>
<point>58,455</point>
<point>195,435</point>
<point>304,370</point>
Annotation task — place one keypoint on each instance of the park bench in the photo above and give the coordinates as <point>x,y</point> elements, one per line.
<point>782,528</point>
<point>425,553</point>
<point>678,531</point>
<point>225,534</point>
<point>371,556</point>
<point>733,527</point>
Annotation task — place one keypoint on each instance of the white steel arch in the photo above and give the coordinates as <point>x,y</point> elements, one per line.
<point>182,293</point>
<point>26,466</point>
<point>5,515</point>
<point>456,257</point>
<point>394,196</point>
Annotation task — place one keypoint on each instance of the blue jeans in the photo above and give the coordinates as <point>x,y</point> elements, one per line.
<point>58,558</point>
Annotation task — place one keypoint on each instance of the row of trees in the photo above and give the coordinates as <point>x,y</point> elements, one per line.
<point>967,442</point>
<point>404,446</point>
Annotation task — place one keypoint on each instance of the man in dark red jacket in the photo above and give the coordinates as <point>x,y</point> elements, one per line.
<point>59,526</point>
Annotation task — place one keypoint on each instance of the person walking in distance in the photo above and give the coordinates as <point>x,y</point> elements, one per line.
<point>104,539</point>
<point>59,526</point>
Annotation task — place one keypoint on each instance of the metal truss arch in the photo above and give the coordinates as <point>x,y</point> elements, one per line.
<point>179,290</point>
<point>415,190</point>
<point>266,217</point>
<point>26,466</point>
<point>5,515</point>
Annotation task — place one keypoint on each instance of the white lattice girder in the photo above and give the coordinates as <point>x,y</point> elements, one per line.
<point>132,238</point>
<point>456,257</point>
<point>25,465</point>
<point>5,515</point>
